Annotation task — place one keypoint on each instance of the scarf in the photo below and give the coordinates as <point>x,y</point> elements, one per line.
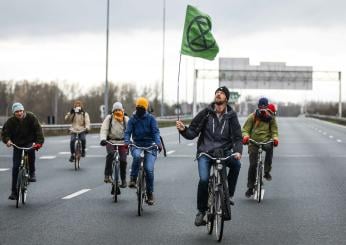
<point>118,115</point>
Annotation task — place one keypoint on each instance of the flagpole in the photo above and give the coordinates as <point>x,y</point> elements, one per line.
<point>107,44</point>
<point>163,58</point>
<point>178,93</point>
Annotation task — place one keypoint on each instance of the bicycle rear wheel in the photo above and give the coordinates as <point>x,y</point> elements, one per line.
<point>219,216</point>
<point>77,155</point>
<point>140,191</point>
<point>211,207</point>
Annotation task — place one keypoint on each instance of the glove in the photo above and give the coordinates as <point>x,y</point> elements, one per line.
<point>103,142</point>
<point>246,140</point>
<point>160,147</point>
<point>276,142</point>
<point>37,146</point>
<point>86,131</point>
<point>72,111</point>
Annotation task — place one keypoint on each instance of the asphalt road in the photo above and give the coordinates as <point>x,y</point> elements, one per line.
<point>303,204</point>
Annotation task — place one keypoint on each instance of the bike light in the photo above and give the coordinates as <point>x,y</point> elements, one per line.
<point>219,166</point>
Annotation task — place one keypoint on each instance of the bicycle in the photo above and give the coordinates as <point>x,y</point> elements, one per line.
<point>23,175</point>
<point>115,168</point>
<point>141,183</point>
<point>77,148</point>
<point>219,208</point>
<point>258,189</point>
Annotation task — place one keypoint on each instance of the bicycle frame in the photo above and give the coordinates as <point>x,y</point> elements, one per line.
<point>259,191</point>
<point>77,148</point>
<point>23,176</point>
<point>219,208</point>
<point>141,180</point>
<point>115,168</point>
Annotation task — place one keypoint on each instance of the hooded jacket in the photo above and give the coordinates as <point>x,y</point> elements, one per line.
<point>215,133</point>
<point>260,131</point>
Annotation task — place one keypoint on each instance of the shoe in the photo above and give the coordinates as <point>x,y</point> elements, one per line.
<point>123,184</point>
<point>267,176</point>
<point>200,219</point>
<point>13,196</point>
<point>249,192</point>
<point>108,179</point>
<point>32,178</point>
<point>150,200</point>
<point>132,183</point>
<point>71,158</point>
<point>83,153</point>
<point>231,202</point>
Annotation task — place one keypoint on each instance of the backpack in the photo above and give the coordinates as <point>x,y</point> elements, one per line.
<point>110,124</point>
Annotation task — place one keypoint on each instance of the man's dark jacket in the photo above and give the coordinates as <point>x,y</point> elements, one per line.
<point>23,132</point>
<point>215,133</point>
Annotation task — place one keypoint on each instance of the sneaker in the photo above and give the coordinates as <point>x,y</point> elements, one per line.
<point>71,158</point>
<point>267,176</point>
<point>150,200</point>
<point>249,192</point>
<point>200,219</point>
<point>32,178</point>
<point>123,184</point>
<point>13,196</point>
<point>83,153</point>
<point>108,179</point>
<point>231,202</point>
<point>132,183</point>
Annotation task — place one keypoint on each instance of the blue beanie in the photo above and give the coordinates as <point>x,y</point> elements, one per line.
<point>17,107</point>
<point>263,102</point>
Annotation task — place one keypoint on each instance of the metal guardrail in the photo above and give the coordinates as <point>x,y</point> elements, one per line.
<point>333,119</point>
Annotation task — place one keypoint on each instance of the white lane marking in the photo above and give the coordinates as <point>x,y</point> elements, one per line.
<point>324,133</point>
<point>4,169</point>
<point>95,146</point>
<point>48,157</point>
<point>64,153</point>
<point>95,156</point>
<point>76,194</point>
<point>331,136</point>
<point>190,144</point>
<point>170,152</point>
<point>6,156</point>
<point>338,140</point>
<point>320,131</point>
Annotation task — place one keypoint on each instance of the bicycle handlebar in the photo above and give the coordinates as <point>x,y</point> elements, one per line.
<point>22,148</point>
<point>114,144</point>
<point>261,143</point>
<point>215,158</point>
<point>145,148</point>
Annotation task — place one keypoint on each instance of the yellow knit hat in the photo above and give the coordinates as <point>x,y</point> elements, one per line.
<point>142,102</point>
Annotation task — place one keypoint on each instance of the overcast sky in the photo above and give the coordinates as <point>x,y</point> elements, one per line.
<point>65,40</point>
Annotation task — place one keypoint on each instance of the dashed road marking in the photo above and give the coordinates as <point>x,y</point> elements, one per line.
<point>76,194</point>
<point>48,157</point>
<point>170,152</point>
<point>338,140</point>
<point>4,169</point>
<point>190,144</point>
<point>64,153</point>
<point>95,146</point>
<point>331,136</point>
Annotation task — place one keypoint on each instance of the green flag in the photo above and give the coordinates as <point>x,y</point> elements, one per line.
<point>197,38</point>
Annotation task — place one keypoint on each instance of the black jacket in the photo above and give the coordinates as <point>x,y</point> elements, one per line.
<point>214,133</point>
<point>23,132</point>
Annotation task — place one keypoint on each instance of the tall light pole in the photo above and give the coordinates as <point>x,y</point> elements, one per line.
<point>163,57</point>
<point>106,82</point>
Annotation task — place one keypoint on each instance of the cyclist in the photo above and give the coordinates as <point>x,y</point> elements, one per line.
<point>80,122</point>
<point>260,126</point>
<point>113,128</point>
<point>143,129</point>
<point>217,127</point>
<point>24,130</point>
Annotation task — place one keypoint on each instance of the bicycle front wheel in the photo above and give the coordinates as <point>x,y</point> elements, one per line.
<point>211,207</point>
<point>219,216</point>
<point>115,185</point>
<point>140,191</point>
<point>77,155</point>
<point>19,187</point>
<point>259,186</point>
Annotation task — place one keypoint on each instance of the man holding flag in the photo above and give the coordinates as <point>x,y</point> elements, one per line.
<point>217,126</point>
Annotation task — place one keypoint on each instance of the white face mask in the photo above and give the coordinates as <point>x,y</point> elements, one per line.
<point>77,109</point>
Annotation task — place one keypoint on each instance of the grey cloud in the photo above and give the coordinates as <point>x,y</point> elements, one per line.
<point>53,17</point>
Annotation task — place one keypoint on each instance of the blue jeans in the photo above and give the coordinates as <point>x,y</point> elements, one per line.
<point>204,165</point>
<point>149,162</point>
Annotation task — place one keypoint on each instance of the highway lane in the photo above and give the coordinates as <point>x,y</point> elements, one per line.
<point>303,204</point>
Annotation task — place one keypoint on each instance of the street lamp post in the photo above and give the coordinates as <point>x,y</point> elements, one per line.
<point>106,82</point>
<point>163,57</point>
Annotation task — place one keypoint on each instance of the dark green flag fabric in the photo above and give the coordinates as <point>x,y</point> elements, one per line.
<point>197,38</point>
